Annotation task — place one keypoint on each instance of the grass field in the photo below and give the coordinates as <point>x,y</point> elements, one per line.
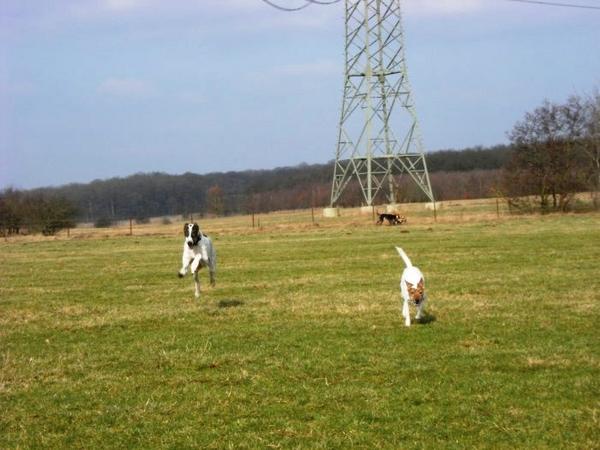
<point>301,344</point>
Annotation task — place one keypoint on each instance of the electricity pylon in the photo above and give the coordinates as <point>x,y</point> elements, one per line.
<point>379,133</point>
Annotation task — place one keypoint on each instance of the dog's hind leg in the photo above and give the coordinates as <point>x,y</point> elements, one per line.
<point>212,267</point>
<point>212,272</point>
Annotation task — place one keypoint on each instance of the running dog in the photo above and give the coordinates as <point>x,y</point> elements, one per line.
<point>198,252</point>
<point>393,219</point>
<point>412,288</point>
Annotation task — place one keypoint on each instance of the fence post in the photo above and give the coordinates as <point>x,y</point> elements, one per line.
<point>497,208</point>
<point>130,227</point>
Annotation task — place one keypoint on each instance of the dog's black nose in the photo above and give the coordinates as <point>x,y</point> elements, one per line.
<point>190,244</point>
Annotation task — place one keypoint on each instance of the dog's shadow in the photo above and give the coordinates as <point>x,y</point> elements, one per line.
<point>426,319</point>
<point>230,303</point>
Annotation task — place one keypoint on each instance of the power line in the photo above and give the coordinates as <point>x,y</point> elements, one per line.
<point>331,2</point>
<point>534,2</point>
<point>307,3</point>
<point>564,5</point>
<point>275,5</point>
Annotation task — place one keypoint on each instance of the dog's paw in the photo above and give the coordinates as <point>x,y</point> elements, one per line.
<point>197,295</point>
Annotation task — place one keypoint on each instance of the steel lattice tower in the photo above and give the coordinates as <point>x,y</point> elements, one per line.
<point>379,134</point>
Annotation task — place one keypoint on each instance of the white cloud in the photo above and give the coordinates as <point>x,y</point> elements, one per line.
<point>443,7</point>
<point>19,88</point>
<point>323,68</point>
<point>176,7</point>
<point>124,5</point>
<point>126,87</point>
<point>316,68</point>
<point>240,14</point>
<point>191,97</point>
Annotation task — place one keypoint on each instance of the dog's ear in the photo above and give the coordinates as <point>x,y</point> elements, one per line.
<point>195,229</point>
<point>185,229</point>
<point>421,284</point>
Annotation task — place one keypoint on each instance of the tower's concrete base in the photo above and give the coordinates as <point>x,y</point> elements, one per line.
<point>331,212</point>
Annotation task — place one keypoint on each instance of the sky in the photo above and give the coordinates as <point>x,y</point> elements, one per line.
<point>94,89</point>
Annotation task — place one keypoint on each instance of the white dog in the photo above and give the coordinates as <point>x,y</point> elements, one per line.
<point>412,288</point>
<point>198,252</point>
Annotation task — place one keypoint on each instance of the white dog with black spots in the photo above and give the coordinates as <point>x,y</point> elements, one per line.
<point>198,252</point>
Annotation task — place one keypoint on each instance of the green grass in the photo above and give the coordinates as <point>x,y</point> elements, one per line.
<point>302,344</point>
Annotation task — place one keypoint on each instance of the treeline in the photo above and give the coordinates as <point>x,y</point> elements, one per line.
<point>468,159</point>
<point>554,153</point>
<point>37,213</point>
<point>467,173</point>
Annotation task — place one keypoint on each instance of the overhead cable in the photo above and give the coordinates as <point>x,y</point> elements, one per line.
<point>564,5</point>
<point>282,8</point>
<point>331,2</point>
<point>319,2</point>
<point>307,3</point>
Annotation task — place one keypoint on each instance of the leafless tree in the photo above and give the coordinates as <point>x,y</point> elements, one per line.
<point>215,200</point>
<point>547,157</point>
<point>592,143</point>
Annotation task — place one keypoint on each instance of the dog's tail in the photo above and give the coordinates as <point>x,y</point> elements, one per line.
<point>404,257</point>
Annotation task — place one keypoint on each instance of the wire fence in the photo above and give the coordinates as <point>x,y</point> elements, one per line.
<point>416,214</point>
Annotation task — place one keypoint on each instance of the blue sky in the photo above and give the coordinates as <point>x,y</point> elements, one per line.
<point>93,89</point>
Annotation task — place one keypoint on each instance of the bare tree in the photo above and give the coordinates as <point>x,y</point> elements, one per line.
<point>215,200</point>
<point>592,143</point>
<point>547,155</point>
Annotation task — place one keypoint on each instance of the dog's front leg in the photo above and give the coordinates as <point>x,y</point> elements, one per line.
<point>196,263</point>
<point>204,252</point>
<point>406,313</point>
<point>197,284</point>
<point>420,308</point>
<point>185,264</point>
